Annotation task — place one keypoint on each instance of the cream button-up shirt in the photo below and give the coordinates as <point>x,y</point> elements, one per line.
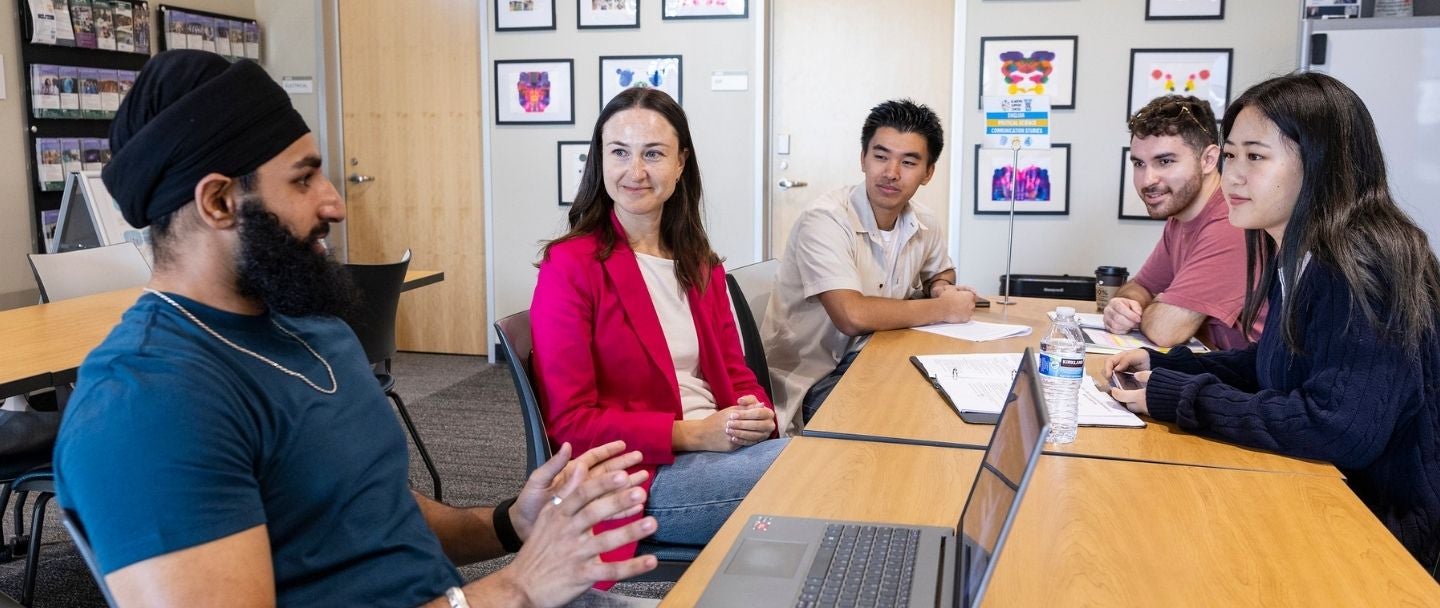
<point>836,244</point>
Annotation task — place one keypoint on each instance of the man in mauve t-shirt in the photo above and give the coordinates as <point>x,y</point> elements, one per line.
<point>1193,284</point>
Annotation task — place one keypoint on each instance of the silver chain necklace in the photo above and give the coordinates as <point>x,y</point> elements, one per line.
<point>333,384</point>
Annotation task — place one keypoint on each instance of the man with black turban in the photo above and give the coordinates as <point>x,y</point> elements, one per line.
<point>228,444</point>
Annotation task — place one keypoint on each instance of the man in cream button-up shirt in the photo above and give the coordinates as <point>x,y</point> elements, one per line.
<point>860,259</point>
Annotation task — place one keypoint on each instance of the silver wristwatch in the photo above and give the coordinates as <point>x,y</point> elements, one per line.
<point>457,598</point>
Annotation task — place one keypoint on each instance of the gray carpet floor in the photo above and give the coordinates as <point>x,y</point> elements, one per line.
<point>466,412</point>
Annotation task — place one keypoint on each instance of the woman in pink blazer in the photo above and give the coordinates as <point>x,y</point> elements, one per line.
<point>633,333</point>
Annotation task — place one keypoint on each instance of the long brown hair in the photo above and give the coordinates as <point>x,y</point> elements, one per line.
<point>1344,216</point>
<point>682,232</point>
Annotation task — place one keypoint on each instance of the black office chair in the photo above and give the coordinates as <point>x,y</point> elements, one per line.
<point>82,544</point>
<point>22,476</point>
<point>750,336</point>
<point>373,322</point>
<point>516,344</point>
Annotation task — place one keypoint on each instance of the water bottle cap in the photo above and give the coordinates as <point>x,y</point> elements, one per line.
<point>1064,311</point>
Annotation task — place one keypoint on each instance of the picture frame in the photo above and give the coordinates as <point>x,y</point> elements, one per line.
<point>1045,176</point>
<point>570,159</point>
<point>607,14</point>
<point>1131,207</point>
<point>1204,73</point>
<point>619,72</point>
<point>534,91</point>
<point>524,15</point>
<point>1184,10</point>
<point>704,9</point>
<point>1020,65</point>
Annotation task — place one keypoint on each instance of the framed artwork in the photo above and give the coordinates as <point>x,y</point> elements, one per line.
<point>618,73</point>
<point>1043,184</point>
<point>522,15</point>
<point>1204,73</point>
<point>534,91</point>
<point>705,9</point>
<point>569,167</point>
<point>1165,10</point>
<point>1131,207</point>
<point>607,14</point>
<point>1029,65</point>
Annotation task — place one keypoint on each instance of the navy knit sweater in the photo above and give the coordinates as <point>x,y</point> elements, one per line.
<point>1349,397</point>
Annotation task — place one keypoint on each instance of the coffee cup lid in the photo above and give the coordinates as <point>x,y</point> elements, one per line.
<point>1111,270</point>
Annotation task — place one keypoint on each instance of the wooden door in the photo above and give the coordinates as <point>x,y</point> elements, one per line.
<point>410,93</point>
<point>830,63</point>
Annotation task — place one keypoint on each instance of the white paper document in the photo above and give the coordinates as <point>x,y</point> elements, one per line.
<point>977,331</point>
<point>980,383</point>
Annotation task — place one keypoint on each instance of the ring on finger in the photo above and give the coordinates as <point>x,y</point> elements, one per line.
<point>556,500</point>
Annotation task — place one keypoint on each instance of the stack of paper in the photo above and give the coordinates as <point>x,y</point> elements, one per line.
<point>1100,341</point>
<point>980,383</point>
<point>977,331</point>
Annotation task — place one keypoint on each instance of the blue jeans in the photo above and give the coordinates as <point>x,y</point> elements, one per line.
<point>691,498</point>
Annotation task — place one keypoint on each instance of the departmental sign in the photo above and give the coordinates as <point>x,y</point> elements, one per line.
<point>1025,118</point>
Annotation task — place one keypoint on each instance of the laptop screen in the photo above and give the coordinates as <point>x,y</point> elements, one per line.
<point>994,497</point>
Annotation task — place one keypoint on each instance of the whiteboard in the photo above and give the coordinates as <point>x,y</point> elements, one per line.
<point>1394,65</point>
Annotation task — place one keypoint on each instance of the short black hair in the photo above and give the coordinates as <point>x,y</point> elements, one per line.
<point>905,116</point>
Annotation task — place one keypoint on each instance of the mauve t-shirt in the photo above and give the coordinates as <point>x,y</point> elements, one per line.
<point>1199,265</point>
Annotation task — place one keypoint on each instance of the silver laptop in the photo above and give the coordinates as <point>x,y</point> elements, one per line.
<point>792,561</point>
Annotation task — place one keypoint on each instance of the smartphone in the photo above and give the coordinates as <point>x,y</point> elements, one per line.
<point>981,302</point>
<point>1126,381</point>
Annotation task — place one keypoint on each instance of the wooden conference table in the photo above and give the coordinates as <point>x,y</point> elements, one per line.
<point>1099,532</point>
<point>43,345</point>
<point>884,398</point>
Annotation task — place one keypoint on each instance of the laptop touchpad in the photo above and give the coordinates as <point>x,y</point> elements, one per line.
<point>767,558</point>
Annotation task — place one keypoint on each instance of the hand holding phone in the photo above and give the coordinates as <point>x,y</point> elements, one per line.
<point>1125,381</point>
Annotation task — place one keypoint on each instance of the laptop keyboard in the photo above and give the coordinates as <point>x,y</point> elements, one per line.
<point>862,566</point>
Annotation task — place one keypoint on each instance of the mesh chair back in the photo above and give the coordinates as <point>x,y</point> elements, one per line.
<point>61,276</point>
<point>82,544</point>
<point>750,288</point>
<point>516,343</point>
<point>373,320</point>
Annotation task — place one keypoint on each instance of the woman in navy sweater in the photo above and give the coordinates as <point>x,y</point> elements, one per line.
<point>1346,369</point>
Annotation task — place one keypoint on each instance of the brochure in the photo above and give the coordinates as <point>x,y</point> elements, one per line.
<point>124,26</point>
<point>194,31</point>
<point>90,153</point>
<point>64,29</point>
<point>222,37</point>
<point>109,92</point>
<point>45,91</point>
<point>70,156</point>
<point>141,15</point>
<point>42,16</point>
<point>84,23</point>
<point>252,40</point>
<point>175,30</point>
<point>104,24</point>
<point>70,92</point>
<point>47,155</point>
<point>90,106</point>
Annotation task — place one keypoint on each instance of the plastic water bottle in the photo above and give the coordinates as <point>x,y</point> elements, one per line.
<point>1062,369</point>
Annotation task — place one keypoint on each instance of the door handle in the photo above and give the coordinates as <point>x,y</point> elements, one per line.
<point>786,184</point>
<point>356,178</point>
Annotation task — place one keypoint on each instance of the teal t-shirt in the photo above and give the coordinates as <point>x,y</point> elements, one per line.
<point>173,439</point>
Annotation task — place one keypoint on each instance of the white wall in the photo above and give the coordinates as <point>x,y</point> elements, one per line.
<point>17,285</point>
<point>1264,37</point>
<point>522,191</point>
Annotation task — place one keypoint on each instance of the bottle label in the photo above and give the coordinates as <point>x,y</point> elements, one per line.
<point>1057,366</point>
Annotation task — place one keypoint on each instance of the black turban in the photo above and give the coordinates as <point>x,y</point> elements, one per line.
<point>190,114</point>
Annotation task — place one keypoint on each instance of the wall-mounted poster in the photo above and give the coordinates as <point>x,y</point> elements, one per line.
<point>520,15</point>
<point>1204,73</point>
<point>1030,65</point>
<point>646,71</point>
<point>570,159</point>
<point>534,91</point>
<point>705,9</point>
<point>607,14</point>
<point>1042,183</point>
<point>1131,207</point>
<point>1163,10</point>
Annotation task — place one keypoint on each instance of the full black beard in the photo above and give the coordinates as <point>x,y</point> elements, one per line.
<point>284,272</point>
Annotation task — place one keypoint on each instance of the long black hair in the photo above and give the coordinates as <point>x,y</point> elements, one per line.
<point>1345,215</point>
<point>682,232</point>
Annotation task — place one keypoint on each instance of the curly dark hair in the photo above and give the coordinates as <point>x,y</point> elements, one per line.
<point>1185,115</point>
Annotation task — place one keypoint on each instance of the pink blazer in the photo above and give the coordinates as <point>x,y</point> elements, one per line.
<point>601,361</point>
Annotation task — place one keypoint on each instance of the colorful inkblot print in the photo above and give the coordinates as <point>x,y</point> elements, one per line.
<point>534,91</point>
<point>1026,74</point>
<point>1033,184</point>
